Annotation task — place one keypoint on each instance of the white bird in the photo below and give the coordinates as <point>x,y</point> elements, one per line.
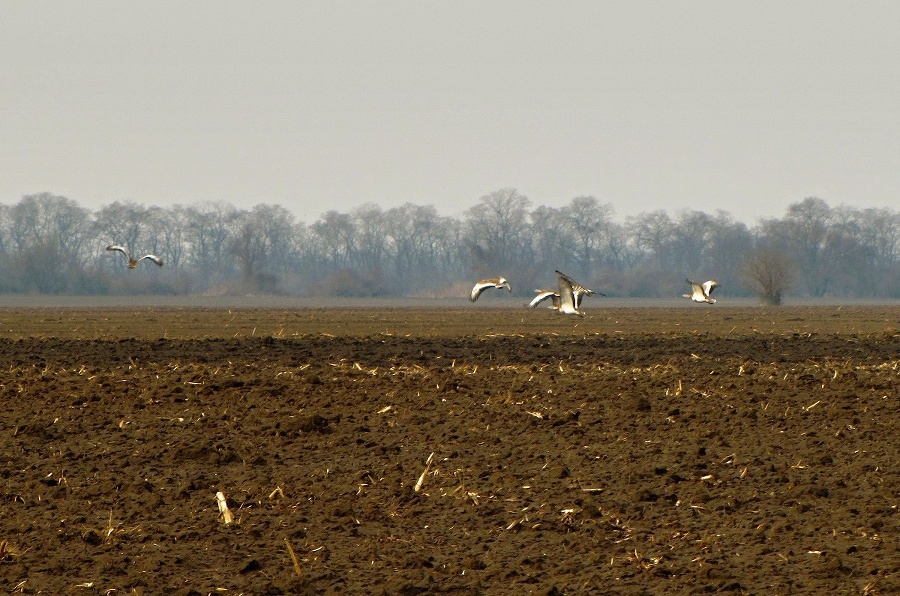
<point>571,293</point>
<point>544,295</point>
<point>494,282</point>
<point>701,292</point>
<point>132,262</point>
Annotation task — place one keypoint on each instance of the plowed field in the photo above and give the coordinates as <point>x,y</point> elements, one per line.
<point>456,450</point>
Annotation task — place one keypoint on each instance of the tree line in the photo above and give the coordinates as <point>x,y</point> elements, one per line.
<point>50,244</point>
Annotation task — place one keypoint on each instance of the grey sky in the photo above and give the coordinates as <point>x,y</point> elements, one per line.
<point>741,106</point>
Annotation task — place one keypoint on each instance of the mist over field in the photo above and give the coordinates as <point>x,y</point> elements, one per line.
<point>51,245</point>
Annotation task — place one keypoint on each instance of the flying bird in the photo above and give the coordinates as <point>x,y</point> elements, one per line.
<point>571,293</point>
<point>544,295</point>
<point>132,262</point>
<point>701,292</point>
<point>484,284</point>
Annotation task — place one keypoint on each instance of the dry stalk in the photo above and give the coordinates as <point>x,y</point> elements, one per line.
<point>293,557</point>
<point>227,516</point>
<point>9,551</point>
<point>421,479</point>
<point>460,491</point>
<point>110,528</point>
<point>871,589</point>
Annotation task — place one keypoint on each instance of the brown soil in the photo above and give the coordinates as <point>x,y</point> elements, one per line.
<point>676,451</point>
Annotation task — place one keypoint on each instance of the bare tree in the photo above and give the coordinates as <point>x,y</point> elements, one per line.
<point>336,233</point>
<point>880,229</point>
<point>262,244</point>
<point>654,232</point>
<point>690,234</point>
<point>165,229</point>
<point>436,246</point>
<point>768,272</point>
<point>371,232</point>
<point>208,234</point>
<point>498,226</point>
<point>618,254</point>
<point>401,237</point>
<point>447,247</point>
<point>5,227</point>
<point>550,245</point>
<point>588,222</point>
<point>727,245</point>
<point>121,223</point>
<point>50,238</point>
<point>805,229</point>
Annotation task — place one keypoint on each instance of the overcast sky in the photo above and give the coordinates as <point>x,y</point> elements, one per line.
<point>740,106</point>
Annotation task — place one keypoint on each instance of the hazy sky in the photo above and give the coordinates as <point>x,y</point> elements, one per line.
<point>740,106</point>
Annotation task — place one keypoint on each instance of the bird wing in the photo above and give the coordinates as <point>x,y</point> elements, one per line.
<point>153,258</point>
<point>479,288</point>
<point>709,286</point>
<point>566,294</point>
<point>542,295</point>
<point>696,290</point>
<point>578,291</point>
<point>121,249</point>
<point>579,296</point>
<point>494,282</point>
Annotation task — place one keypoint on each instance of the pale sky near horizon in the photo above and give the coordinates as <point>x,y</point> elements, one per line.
<point>318,105</point>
